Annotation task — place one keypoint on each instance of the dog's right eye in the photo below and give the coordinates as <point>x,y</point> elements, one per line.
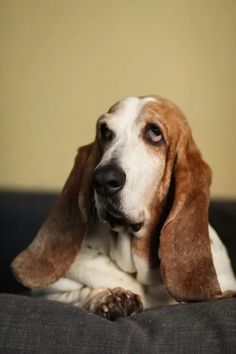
<point>106,133</point>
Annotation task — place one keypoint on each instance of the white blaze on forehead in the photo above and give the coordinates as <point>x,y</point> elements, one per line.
<point>122,122</point>
<point>130,108</point>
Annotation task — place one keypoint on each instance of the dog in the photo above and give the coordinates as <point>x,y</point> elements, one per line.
<point>130,228</point>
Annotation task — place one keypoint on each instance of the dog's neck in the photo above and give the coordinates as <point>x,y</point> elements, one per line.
<point>137,251</point>
<point>128,252</point>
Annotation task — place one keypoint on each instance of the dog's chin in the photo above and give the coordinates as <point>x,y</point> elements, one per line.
<point>112,214</point>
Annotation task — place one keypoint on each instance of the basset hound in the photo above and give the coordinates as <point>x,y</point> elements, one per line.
<point>130,228</point>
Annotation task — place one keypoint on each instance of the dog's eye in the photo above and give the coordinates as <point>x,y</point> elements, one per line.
<point>106,133</point>
<point>153,133</point>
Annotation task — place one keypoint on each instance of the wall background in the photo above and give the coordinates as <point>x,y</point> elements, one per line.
<point>64,62</point>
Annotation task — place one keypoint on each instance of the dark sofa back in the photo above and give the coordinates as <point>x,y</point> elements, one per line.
<point>22,213</point>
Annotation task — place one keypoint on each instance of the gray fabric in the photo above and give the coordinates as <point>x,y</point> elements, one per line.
<point>29,325</point>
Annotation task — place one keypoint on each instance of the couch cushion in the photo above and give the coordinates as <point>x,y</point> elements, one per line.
<point>30,325</point>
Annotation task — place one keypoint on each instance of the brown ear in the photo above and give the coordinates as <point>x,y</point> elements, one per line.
<point>186,260</point>
<point>58,241</point>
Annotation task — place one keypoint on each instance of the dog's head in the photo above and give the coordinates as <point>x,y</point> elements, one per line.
<point>133,154</point>
<point>144,173</point>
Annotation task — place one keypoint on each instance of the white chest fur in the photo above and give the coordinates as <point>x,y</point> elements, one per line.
<point>107,260</point>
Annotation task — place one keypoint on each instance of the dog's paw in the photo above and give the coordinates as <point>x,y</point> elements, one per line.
<point>115,303</point>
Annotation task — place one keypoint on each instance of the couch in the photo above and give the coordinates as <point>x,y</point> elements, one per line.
<point>32,325</point>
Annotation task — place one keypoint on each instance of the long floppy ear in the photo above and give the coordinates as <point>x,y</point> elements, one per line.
<point>186,260</point>
<point>58,241</point>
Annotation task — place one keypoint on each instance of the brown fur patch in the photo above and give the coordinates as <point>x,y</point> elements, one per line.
<point>186,261</point>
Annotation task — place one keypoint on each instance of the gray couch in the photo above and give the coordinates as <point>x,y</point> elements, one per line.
<point>29,325</point>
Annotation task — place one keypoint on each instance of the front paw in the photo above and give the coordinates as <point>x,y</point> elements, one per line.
<point>115,303</point>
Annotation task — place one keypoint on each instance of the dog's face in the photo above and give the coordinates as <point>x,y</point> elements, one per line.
<point>132,164</point>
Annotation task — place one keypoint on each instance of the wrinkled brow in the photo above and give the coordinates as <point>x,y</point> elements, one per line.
<point>102,117</point>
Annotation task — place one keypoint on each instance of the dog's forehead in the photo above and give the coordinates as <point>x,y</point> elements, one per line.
<point>127,111</point>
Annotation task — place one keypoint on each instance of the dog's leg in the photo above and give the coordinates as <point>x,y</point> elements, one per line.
<point>113,294</point>
<point>109,303</point>
<point>101,272</point>
<point>64,290</point>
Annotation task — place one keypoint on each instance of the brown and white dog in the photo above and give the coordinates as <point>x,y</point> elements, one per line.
<point>130,228</point>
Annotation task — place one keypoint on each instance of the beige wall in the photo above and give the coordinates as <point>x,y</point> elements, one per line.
<point>63,62</point>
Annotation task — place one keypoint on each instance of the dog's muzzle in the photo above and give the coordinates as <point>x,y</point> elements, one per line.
<point>108,180</point>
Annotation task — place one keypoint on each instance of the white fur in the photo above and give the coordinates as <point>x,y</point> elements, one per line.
<point>122,244</point>
<point>221,262</point>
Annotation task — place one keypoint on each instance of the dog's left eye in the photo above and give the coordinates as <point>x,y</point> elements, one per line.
<point>106,133</point>
<point>153,133</point>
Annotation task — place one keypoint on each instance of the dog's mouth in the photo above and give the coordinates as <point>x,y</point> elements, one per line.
<point>112,213</point>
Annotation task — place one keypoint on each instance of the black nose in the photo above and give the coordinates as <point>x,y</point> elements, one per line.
<point>108,179</point>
